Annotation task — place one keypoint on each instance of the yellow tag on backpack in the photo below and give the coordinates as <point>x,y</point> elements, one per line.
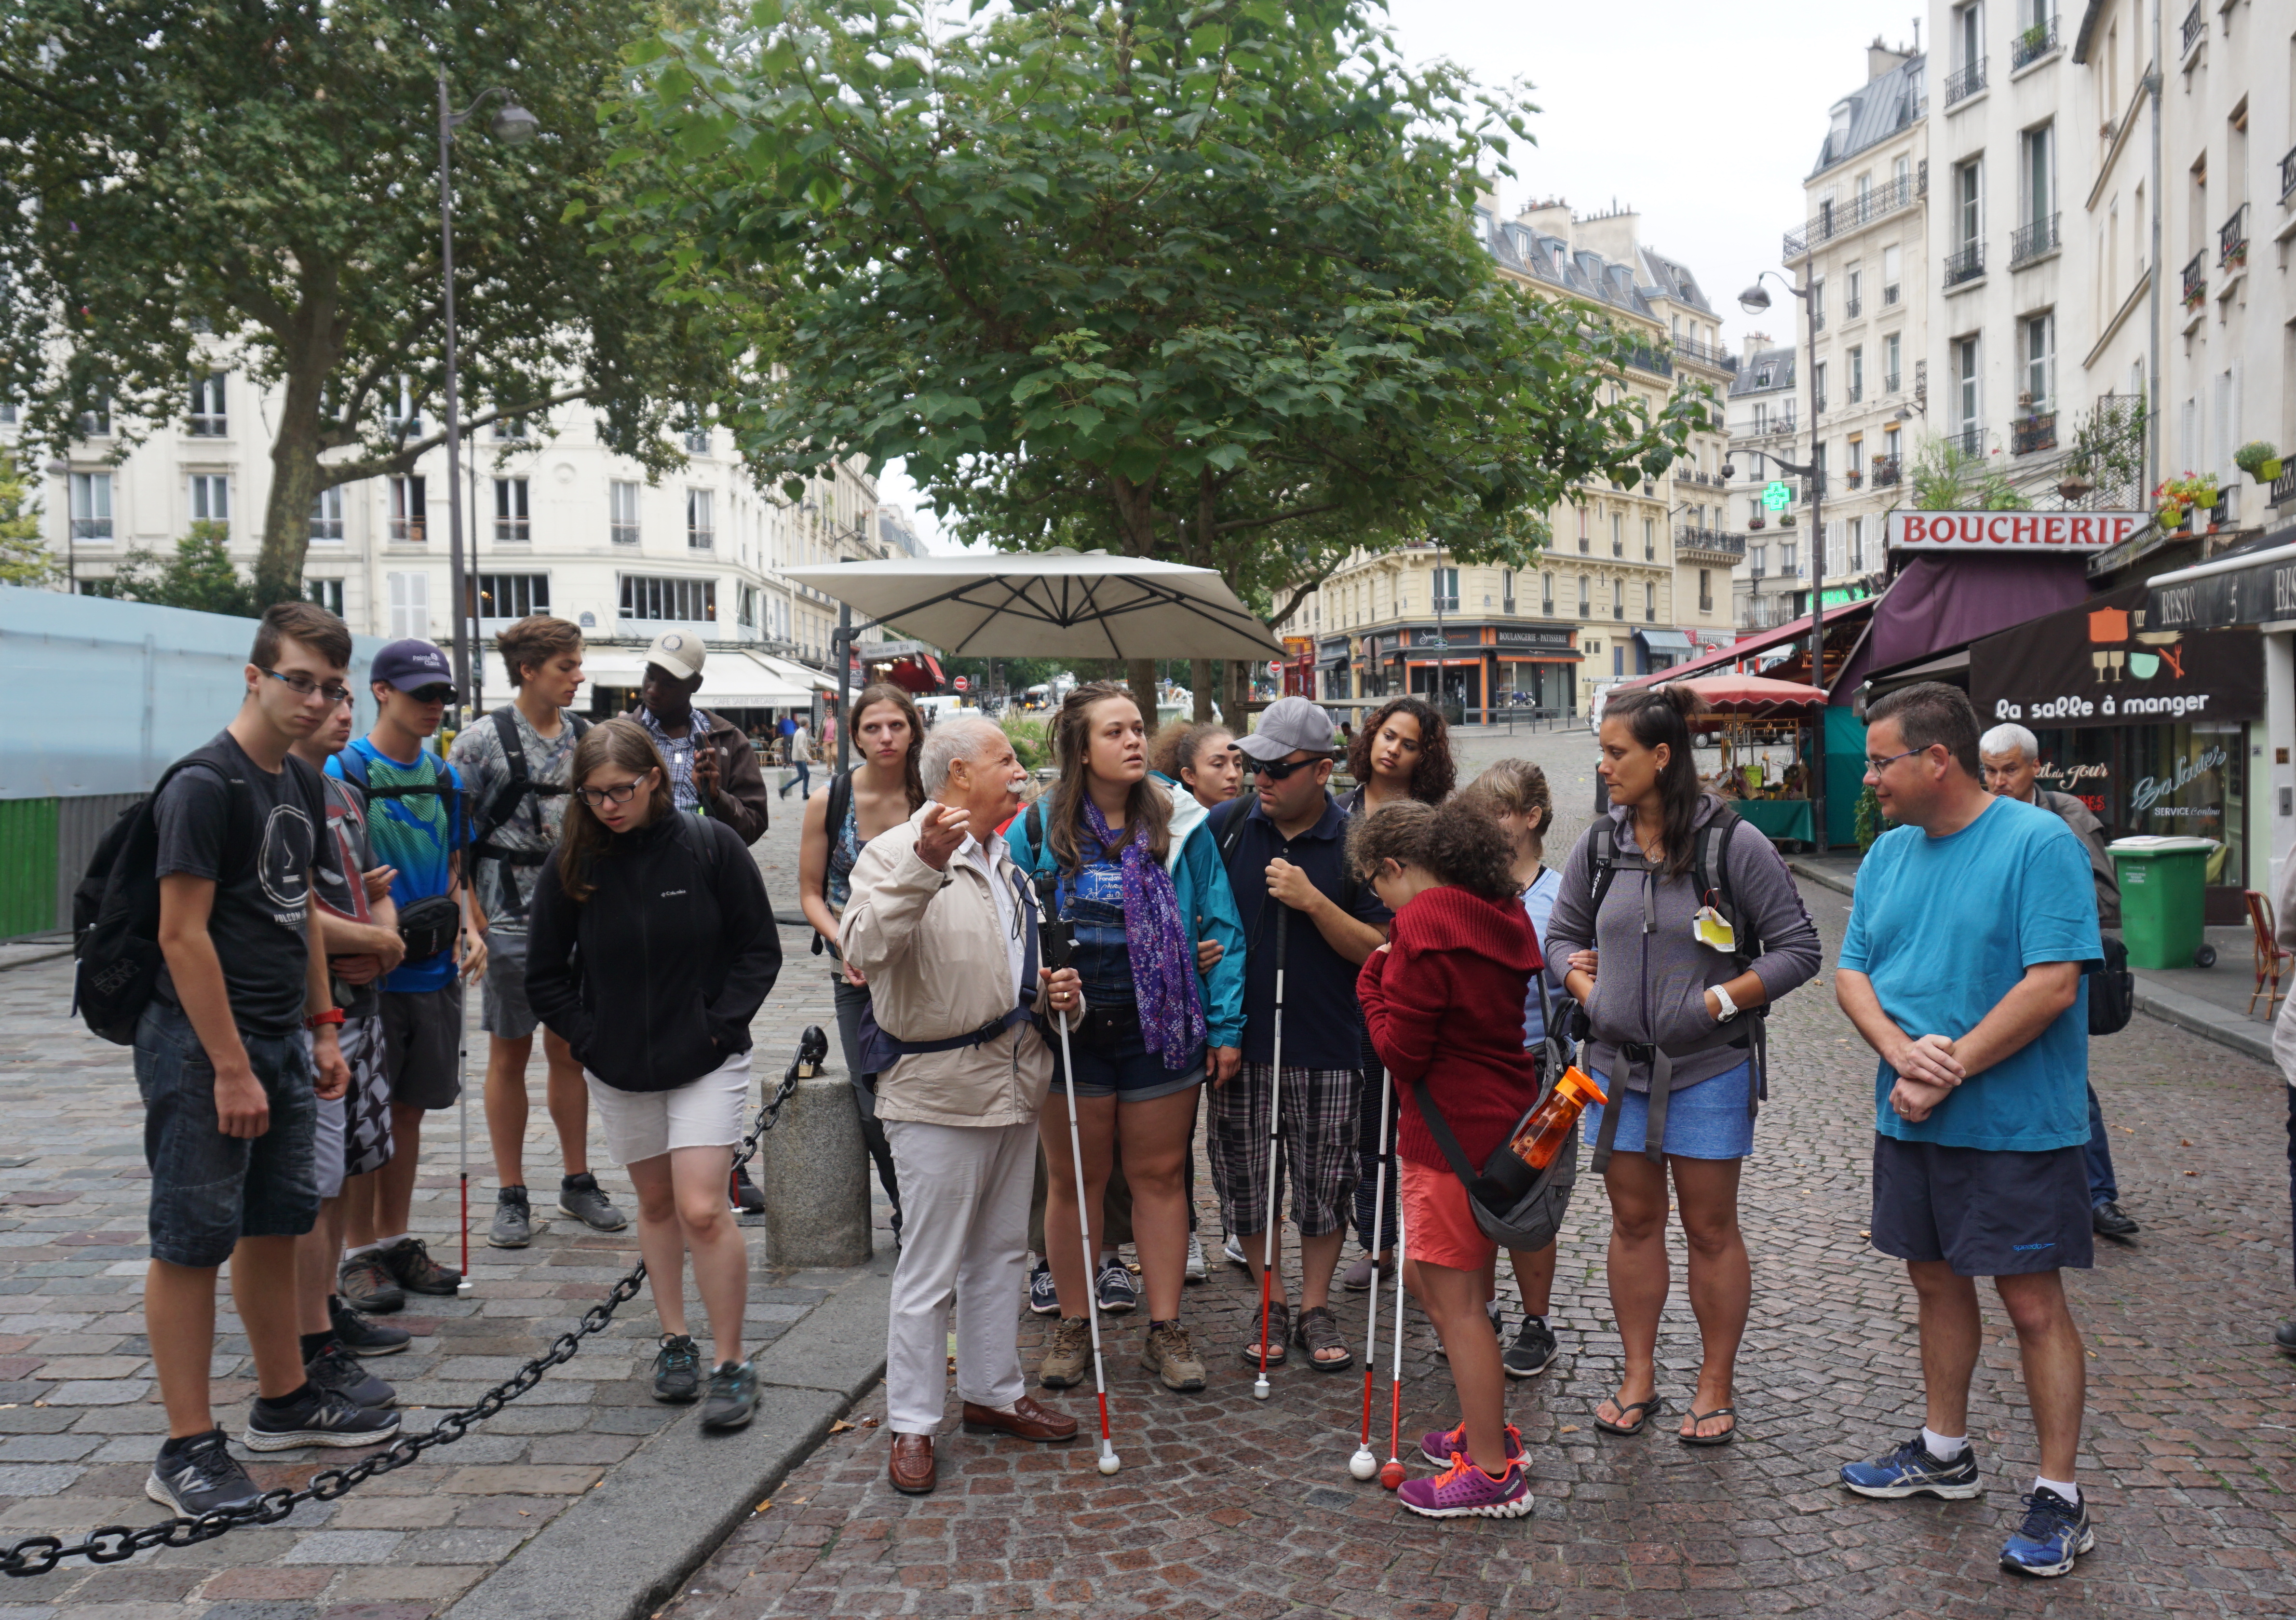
<point>1710,928</point>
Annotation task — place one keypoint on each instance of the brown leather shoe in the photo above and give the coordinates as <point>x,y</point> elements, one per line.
<point>1027,1420</point>
<point>912,1469</point>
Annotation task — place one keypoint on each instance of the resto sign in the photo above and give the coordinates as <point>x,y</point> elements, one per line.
<point>2110,661</point>
<point>2024,533</point>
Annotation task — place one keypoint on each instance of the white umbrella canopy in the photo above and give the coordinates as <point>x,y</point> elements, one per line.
<point>1050,604</point>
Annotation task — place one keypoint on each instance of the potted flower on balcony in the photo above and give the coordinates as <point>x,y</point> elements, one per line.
<point>1756,521</point>
<point>2259,460</point>
<point>2075,485</point>
<point>1785,520</point>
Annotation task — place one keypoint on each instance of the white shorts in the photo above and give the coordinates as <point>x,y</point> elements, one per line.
<point>704,1113</point>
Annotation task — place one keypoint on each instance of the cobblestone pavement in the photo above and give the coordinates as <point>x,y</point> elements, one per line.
<point>79,1417</point>
<point>1232,1507</point>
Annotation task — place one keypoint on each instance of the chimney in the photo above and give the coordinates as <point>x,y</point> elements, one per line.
<point>1880,59</point>
<point>1755,342</point>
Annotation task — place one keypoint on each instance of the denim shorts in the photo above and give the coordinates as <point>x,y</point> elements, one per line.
<point>1119,1064</point>
<point>208,1191</point>
<point>1708,1120</point>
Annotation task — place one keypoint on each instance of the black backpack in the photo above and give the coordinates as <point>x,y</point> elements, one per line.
<point>841,799</point>
<point>497,813</point>
<point>2111,991</point>
<point>115,904</point>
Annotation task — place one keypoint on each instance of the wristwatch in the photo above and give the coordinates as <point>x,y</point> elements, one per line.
<point>1729,1008</point>
<point>333,1015</point>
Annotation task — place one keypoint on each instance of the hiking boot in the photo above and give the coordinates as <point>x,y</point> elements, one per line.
<point>409,1261</point>
<point>676,1370</point>
<point>1118,1293</point>
<point>360,1337</point>
<point>2051,1534</point>
<point>1169,1353</point>
<point>1440,1446</point>
<point>743,1194</point>
<point>1195,1271</point>
<point>1910,1470</point>
<point>1464,1491</point>
<point>579,1197</point>
<point>1534,1349</point>
<point>513,1226</point>
<point>2108,1220</point>
<point>197,1474</point>
<point>364,1283</point>
<point>337,1369</point>
<point>326,1418</point>
<point>1068,1362</point>
<point>1043,1298</point>
<point>732,1398</point>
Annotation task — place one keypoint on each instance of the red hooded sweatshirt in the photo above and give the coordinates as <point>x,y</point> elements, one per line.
<point>1444,1002</point>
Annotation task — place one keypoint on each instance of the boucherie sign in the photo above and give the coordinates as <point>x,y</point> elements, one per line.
<point>2021,532</point>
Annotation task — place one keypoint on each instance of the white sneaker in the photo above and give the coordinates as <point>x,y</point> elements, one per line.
<point>1196,1272</point>
<point>1232,1253</point>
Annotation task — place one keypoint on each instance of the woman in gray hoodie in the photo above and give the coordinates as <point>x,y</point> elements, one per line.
<point>1680,926</point>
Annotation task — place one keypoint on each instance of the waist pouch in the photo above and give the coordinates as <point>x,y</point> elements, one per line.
<point>1104,1028</point>
<point>428,927</point>
<point>880,1049</point>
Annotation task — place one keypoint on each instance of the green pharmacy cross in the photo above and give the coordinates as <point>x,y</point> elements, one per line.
<point>1776,495</point>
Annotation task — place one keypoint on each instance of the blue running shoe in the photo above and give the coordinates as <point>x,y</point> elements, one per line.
<point>2053,1533</point>
<point>1911,1471</point>
<point>1043,1298</point>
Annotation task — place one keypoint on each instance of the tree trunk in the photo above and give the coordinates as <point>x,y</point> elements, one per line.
<point>1200,682</point>
<point>1140,673</point>
<point>295,478</point>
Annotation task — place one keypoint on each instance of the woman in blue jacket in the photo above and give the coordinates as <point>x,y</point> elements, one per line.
<point>1155,1028</point>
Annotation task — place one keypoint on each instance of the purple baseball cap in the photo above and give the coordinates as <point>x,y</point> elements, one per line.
<point>412,665</point>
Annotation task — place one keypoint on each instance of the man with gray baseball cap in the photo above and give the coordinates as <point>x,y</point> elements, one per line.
<point>1284,845</point>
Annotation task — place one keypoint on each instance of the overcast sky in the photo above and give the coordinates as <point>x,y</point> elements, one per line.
<point>1702,118</point>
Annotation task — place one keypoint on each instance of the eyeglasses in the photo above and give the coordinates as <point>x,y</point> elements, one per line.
<point>1874,768</point>
<point>594,797</point>
<point>1277,770</point>
<point>304,686</point>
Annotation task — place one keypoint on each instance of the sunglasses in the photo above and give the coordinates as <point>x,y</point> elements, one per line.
<point>1277,770</point>
<point>432,694</point>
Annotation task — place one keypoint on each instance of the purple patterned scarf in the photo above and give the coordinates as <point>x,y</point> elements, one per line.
<point>1163,956</point>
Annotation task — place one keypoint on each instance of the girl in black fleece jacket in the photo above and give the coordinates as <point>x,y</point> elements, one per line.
<point>651,947</point>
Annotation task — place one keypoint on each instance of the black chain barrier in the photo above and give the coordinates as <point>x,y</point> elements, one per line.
<point>37,1555</point>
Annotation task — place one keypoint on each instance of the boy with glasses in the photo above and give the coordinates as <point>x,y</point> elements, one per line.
<point>415,826</point>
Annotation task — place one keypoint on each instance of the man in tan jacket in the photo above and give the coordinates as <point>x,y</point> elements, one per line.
<point>944,926</point>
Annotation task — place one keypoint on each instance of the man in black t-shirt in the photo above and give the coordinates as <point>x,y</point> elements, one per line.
<point>230,1078</point>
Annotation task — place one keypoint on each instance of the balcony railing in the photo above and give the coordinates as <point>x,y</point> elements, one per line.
<point>2196,281</point>
<point>1889,381</point>
<point>1854,478</point>
<point>2284,488</point>
<point>2036,432</point>
<point>1889,295</point>
<point>1969,440</point>
<point>1650,360</point>
<point>1965,82</point>
<point>2033,43</point>
<point>91,529</point>
<point>2032,239</point>
<point>2232,239</point>
<point>1851,308</point>
<point>1965,264</point>
<point>1706,354</point>
<point>1834,218</point>
<point>1710,542</point>
<point>2196,25</point>
<point>2287,175</point>
<point>1887,471</point>
<point>407,531</point>
<point>1817,405</point>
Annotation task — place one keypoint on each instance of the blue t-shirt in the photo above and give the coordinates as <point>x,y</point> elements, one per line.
<point>1538,905</point>
<point>1093,900</point>
<point>416,833</point>
<point>1944,927</point>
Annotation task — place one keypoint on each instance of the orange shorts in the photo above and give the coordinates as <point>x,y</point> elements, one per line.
<point>1438,1225</point>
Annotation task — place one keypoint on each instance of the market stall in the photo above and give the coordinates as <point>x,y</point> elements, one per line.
<point>1751,719</point>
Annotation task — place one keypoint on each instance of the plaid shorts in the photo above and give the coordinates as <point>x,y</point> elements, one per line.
<point>1318,1126</point>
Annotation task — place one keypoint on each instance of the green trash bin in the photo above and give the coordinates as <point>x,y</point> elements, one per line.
<point>2161,880</point>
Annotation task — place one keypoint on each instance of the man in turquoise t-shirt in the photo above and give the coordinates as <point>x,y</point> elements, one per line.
<point>1974,924</point>
<point>415,820</point>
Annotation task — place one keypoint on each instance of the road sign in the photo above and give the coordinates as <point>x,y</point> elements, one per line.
<point>1777,495</point>
<point>963,683</point>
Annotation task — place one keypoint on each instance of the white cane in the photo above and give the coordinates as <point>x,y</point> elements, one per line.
<point>1274,1115</point>
<point>1364,1464</point>
<point>1108,1459</point>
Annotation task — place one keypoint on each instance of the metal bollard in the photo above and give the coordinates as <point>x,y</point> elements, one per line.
<point>814,1169</point>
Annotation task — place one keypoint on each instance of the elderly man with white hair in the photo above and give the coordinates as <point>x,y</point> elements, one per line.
<point>2012,757</point>
<point>944,926</point>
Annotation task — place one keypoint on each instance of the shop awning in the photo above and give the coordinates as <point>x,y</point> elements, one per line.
<point>797,673</point>
<point>1744,694</point>
<point>2255,588</point>
<point>2110,661</point>
<point>1778,639</point>
<point>1665,640</point>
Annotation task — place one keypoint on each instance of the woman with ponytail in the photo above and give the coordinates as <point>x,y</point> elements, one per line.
<point>1679,924</point>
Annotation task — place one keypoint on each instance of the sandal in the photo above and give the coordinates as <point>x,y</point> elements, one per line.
<point>1648,1409</point>
<point>1318,1329</point>
<point>1724,1439</point>
<point>1279,1334</point>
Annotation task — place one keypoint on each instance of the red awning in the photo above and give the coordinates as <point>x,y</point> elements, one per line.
<point>1745,694</point>
<point>1753,646</point>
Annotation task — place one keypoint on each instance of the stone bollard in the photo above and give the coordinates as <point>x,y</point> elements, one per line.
<point>814,1169</point>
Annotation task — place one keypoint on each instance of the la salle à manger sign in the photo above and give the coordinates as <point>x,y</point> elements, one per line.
<point>2022,532</point>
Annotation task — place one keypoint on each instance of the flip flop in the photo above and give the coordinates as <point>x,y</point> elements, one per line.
<point>1724,1439</point>
<point>1649,1408</point>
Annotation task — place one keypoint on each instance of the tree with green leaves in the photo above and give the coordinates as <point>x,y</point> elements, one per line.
<point>203,187</point>
<point>1947,477</point>
<point>24,558</point>
<point>198,575</point>
<point>1193,281</point>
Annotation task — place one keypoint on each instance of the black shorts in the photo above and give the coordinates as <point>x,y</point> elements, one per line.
<point>1985,1214</point>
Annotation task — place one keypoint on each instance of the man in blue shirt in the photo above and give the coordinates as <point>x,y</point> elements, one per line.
<point>416,826</point>
<point>1284,845</point>
<point>1974,924</point>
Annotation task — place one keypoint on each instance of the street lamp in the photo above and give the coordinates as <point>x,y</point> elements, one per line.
<point>1754,300</point>
<point>513,126</point>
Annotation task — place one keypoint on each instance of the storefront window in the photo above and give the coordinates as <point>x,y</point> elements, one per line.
<point>2185,780</point>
